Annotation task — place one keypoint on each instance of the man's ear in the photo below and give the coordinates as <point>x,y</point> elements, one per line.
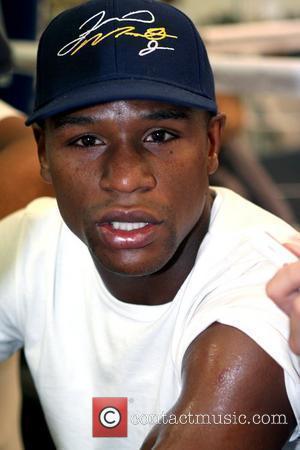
<point>39,135</point>
<point>214,133</point>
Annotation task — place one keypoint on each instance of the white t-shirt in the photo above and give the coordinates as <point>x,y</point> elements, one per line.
<point>81,342</point>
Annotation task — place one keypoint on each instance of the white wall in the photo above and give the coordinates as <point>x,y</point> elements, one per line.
<point>205,11</point>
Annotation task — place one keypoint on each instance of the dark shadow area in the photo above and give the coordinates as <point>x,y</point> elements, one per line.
<point>284,169</point>
<point>34,428</point>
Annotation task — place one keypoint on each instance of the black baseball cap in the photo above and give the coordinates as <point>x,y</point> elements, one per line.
<point>109,50</point>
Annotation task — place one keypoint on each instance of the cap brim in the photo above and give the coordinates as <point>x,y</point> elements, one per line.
<point>114,90</point>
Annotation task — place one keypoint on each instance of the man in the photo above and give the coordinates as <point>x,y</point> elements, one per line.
<point>146,285</point>
<point>284,290</point>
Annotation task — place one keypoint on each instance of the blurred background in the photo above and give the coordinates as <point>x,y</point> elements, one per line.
<point>254,49</point>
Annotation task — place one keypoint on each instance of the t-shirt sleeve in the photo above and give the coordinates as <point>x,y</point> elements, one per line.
<point>10,291</point>
<point>241,302</point>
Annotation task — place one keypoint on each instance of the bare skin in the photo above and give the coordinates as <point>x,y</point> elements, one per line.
<point>284,290</point>
<point>10,405</point>
<point>20,181</point>
<point>149,162</point>
<point>226,373</point>
<point>130,171</point>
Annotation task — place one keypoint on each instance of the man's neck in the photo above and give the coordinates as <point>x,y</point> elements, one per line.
<point>162,286</point>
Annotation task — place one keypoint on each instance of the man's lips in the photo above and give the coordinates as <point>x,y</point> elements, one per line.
<point>127,215</point>
<point>127,229</point>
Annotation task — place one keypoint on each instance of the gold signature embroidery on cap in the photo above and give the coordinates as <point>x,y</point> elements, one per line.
<point>152,35</point>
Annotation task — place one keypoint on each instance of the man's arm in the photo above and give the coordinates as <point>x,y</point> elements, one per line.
<point>10,395</point>
<point>227,379</point>
<point>20,180</point>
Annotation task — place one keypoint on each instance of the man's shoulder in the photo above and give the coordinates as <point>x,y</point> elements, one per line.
<point>237,229</point>
<point>36,223</point>
<point>38,211</point>
<point>41,208</point>
<point>235,214</point>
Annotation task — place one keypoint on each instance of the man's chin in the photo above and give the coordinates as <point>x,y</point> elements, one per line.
<point>141,262</point>
<point>128,268</point>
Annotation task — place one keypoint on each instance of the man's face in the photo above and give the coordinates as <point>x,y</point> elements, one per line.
<point>131,178</point>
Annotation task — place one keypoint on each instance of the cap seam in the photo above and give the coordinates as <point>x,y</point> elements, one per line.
<point>115,9</point>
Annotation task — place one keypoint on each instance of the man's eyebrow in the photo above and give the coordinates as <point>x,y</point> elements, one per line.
<point>165,114</point>
<point>63,121</point>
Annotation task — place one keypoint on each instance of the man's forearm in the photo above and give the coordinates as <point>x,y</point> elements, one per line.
<point>10,405</point>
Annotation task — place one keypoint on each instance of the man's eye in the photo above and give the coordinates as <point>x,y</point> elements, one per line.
<point>87,141</point>
<point>160,136</point>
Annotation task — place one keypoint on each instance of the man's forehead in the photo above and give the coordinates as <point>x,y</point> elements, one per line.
<point>147,110</point>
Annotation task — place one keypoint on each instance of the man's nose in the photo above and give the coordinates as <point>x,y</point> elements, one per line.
<point>127,169</point>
